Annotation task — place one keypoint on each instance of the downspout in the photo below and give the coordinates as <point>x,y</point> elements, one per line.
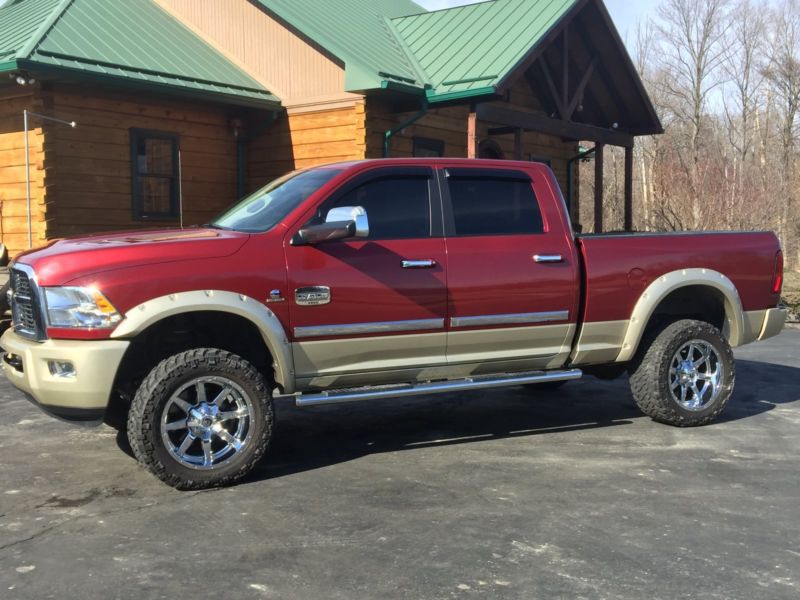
<point>571,175</point>
<point>241,152</point>
<point>389,133</point>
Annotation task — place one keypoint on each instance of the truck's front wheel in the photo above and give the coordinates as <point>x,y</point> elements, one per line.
<point>685,377</point>
<point>201,418</point>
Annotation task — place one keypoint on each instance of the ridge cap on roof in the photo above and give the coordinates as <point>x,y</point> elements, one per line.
<point>440,10</point>
<point>27,50</point>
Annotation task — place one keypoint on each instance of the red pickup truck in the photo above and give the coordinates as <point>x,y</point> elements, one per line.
<point>368,280</point>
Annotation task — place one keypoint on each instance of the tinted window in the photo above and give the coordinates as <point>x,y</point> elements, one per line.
<point>494,206</point>
<point>397,206</point>
<point>266,207</point>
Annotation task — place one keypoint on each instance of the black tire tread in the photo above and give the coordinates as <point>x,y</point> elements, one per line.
<point>156,384</point>
<point>646,378</point>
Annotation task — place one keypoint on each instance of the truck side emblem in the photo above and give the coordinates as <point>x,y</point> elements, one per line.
<point>275,296</point>
<point>313,296</point>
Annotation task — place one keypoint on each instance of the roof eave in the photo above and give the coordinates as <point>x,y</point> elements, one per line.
<point>435,97</point>
<point>9,65</point>
<point>268,102</point>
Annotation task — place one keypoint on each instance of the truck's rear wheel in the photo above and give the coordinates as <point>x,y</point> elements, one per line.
<point>685,377</point>
<point>201,418</point>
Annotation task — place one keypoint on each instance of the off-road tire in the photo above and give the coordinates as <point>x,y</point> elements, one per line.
<point>151,398</point>
<point>649,380</point>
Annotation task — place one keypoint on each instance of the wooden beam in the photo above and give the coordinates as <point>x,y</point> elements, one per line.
<point>628,189</point>
<point>560,107</point>
<point>581,87</point>
<point>472,133</point>
<point>620,100</point>
<point>518,143</point>
<point>554,127</point>
<point>598,188</point>
<point>533,54</point>
<point>501,130</point>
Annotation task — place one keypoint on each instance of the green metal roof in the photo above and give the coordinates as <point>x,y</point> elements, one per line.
<point>474,47</point>
<point>19,21</point>
<point>357,32</point>
<point>447,54</point>
<point>133,41</point>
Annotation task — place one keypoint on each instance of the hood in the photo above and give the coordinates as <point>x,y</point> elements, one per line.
<point>65,260</point>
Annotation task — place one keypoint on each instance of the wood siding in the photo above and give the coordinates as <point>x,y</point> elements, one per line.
<point>450,126</point>
<point>307,139</point>
<point>13,202</point>
<point>284,62</point>
<point>89,188</point>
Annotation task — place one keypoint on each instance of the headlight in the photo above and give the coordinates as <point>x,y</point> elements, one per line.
<point>78,307</point>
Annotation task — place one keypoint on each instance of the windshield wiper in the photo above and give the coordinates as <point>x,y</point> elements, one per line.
<point>215,226</point>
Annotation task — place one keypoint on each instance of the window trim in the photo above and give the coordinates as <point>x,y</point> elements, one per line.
<point>479,173</point>
<point>137,207</point>
<point>425,143</point>
<point>434,197</point>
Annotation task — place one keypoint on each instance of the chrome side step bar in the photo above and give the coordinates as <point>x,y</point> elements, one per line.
<point>438,387</point>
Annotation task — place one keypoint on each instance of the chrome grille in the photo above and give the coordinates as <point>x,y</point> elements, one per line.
<point>25,312</point>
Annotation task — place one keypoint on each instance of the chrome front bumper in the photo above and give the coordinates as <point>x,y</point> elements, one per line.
<point>82,396</point>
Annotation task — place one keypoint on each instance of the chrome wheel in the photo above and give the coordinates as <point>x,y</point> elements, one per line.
<point>695,375</point>
<point>206,423</point>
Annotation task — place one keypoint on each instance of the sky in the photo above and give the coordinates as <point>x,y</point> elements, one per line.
<point>626,13</point>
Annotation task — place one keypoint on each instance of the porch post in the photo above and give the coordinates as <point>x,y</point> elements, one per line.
<point>518,143</point>
<point>628,188</point>
<point>472,133</point>
<point>598,188</point>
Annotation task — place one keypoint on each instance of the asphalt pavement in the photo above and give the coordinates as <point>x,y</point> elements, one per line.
<point>494,494</point>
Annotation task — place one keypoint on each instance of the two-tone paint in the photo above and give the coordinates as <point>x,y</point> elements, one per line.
<point>432,308</point>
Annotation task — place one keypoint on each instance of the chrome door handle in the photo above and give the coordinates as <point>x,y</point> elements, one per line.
<point>548,258</point>
<point>418,264</point>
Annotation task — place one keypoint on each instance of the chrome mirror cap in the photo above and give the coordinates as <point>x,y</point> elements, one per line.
<point>356,214</point>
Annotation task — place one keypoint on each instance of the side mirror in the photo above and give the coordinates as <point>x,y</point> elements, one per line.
<point>340,223</point>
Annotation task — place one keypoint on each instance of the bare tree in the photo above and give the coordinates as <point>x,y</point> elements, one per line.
<point>783,73</point>
<point>693,47</point>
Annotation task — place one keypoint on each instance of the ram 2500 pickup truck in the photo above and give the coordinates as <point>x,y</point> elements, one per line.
<point>371,280</point>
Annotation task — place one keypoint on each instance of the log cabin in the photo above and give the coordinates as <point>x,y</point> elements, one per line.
<point>154,113</point>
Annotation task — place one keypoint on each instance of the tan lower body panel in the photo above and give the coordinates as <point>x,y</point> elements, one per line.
<point>385,359</point>
<point>774,320</point>
<point>599,342</point>
<point>753,323</point>
<point>539,344</point>
<point>338,356</point>
<point>95,364</point>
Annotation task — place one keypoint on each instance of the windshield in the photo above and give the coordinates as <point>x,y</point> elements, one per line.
<point>266,207</point>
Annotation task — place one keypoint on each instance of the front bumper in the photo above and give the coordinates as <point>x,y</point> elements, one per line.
<point>81,397</point>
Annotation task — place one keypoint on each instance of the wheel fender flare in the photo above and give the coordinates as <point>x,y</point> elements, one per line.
<point>668,283</point>
<point>143,316</point>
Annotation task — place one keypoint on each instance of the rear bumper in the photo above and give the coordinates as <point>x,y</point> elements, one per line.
<point>83,396</point>
<point>774,320</point>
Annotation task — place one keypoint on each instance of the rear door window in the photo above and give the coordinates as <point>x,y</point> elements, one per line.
<point>486,205</point>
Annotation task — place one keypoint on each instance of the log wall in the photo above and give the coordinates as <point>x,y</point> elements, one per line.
<point>306,139</point>
<point>89,186</point>
<point>13,201</point>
